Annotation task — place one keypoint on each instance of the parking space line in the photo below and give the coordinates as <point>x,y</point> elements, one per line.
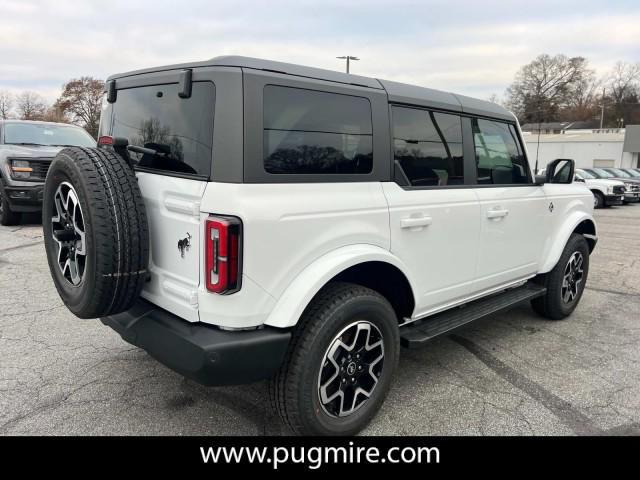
<point>24,245</point>
<point>578,422</point>
<point>615,292</point>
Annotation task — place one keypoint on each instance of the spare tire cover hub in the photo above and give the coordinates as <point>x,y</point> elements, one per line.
<point>68,233</point>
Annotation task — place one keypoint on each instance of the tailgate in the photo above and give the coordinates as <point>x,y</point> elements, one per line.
<point>173,211</point>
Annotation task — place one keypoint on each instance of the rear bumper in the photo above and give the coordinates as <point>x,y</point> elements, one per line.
<point>201,352</point>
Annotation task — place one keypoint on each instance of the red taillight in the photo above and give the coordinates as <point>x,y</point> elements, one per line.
<point>105,140</point>
<point>223,254</point>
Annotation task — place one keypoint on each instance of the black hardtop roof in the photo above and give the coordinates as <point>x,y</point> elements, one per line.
<point>397,92</point>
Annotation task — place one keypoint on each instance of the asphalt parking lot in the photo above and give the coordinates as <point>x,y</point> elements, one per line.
<point>512,374</point>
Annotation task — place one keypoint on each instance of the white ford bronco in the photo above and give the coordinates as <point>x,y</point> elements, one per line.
<point>246,220</point>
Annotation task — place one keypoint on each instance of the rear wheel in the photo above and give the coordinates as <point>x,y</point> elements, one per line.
<point>340,362</point>
<point>565,283</point>
<point>7,216</point>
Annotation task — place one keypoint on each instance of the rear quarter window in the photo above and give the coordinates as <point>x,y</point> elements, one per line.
<point>179,130</point>
<point>315,132</point>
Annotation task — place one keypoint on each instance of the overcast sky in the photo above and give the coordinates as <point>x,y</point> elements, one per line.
<point>472,47</point>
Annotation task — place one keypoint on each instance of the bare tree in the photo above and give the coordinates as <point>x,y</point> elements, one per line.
<point>583,97</point>
<point>6,104</point>
<point>542,87</point>
<point>494,98</point>
<point>81,99</point>
<point>55,113</point>
<point>623,86</point>
<point>31,106</point>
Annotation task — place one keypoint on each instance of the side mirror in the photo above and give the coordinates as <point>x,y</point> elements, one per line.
<point>561,170</point>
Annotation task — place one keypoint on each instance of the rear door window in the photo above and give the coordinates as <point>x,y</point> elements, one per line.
<point>428,146</point>
<point>314,132</point>
<point>179,130</point>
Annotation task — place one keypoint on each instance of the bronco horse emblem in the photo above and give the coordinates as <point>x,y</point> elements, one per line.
<point>184,244</point>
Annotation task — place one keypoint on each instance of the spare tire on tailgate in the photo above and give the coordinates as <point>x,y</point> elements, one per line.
<point>95,231</point>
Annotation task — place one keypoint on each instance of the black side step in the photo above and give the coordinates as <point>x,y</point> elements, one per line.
<point>421,331</point>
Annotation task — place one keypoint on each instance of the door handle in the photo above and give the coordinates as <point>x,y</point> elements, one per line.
<point>497,213</point>
<point>415,222</point>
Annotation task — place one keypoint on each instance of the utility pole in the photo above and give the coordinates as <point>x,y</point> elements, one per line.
<point>348,58</point>
<point>602,110</point>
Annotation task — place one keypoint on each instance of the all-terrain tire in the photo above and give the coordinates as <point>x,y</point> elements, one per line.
<point>115,230</point>
<point>552,305</point>
<point>293,392</point>
<point>7,216</point>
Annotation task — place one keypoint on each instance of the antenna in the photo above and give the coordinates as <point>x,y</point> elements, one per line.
<point>537,148</point>
<point>538,145</point>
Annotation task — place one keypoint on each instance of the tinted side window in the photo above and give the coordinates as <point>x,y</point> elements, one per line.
<point>312,132</point>
<point>499,157</point>
<point>180,130</point>
<point>428,146</point>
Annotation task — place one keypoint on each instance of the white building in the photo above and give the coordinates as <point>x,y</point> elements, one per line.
<point>587,149</point>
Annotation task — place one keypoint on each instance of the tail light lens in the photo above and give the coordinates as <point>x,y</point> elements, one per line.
<point>105,140</point>
<point>223,254</point>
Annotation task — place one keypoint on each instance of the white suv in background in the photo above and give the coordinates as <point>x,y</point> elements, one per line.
<point>606,192</point>
<point>245,220</point>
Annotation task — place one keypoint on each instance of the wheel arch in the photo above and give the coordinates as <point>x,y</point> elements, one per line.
<point>366,265</point>
<point>577,223</point>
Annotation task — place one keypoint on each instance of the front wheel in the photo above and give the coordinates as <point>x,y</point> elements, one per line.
<point>7,216</point>
<point>340,362</point>
<point>565,283</point>
<point>598,200</point>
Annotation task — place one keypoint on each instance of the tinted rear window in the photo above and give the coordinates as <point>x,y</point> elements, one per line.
<point>312,132</point>
<point>179,129</point>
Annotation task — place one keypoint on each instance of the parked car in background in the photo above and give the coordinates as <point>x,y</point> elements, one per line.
<point>606,192</point>
<point>632,183</point>
<point>26,151</point>
<point>632,186</point>
<point>634,172</point>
